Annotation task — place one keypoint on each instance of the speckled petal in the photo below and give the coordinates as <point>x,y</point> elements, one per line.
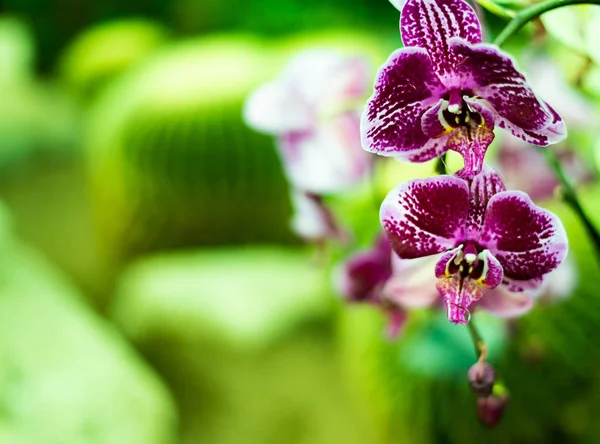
<point>430,24</point>
<point>528,241</point>
<point>483,186</point>
<point>425,216</point>
<point>491,75</point>
<point>459,294</point>
<point>405,88</point>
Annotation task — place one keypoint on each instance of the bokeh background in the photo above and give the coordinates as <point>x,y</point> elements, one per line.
<point>151,290</point>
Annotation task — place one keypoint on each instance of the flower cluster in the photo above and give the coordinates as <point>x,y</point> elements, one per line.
<point>445,90</point>
<point>313,109</point>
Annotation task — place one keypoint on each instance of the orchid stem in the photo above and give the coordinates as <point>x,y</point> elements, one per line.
<point>570,197</point>
<point>480,347</point>
<point>533,12</point>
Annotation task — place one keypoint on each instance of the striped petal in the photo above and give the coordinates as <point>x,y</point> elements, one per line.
<point>528,241</point>
<point>425,216</point>
<point>405,88</point>
<point>491,75</point>
<point>483,186</point>
<point>430,24</point>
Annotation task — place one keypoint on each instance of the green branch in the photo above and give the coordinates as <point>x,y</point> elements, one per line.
<point>480,347</point>
<point>533,12</point>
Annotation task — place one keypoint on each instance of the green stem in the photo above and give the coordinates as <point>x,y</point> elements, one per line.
<point>480,348</point>
<point>570,196</point>
<point>440,164</point>
<point>533,12</point>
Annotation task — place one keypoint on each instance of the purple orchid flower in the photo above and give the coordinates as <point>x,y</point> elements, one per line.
<point>378,277</point>
<point>488,236</point>
<point>313,109</point>
<point>446,91</point>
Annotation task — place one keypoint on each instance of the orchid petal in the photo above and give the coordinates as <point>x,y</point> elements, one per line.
<point>274,108</point>
<point>459,294</point>
<point>327,159</point>
<point>323,74</point>
<point>507,304</point>
<point>425,216</point>
<point>528,241</point>
<point>433,123</point>
<point>398,4</point>
<point>483,186</point>
<point>412,284</point>
<point>430,24</point>
<point>312,220</point>
<point>405,88</point>
<point>396,320</point>
<point>492,273</point>
<point>471,143</point>
<point>491,74</point>
<point>362,276</point>
<point>442,267</point>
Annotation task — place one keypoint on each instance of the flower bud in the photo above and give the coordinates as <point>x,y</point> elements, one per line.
<point>490,409</point>
<point>481,378</point>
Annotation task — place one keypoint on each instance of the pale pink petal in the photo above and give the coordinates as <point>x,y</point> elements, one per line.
<point>275,108</point>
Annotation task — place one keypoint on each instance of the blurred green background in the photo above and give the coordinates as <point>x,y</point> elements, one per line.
<point>151,290</point>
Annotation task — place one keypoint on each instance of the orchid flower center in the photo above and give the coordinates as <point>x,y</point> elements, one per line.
<point>459,113</point>
<point>468,263</point>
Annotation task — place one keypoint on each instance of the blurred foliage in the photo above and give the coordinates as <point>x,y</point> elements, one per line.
<point>57,21</point>
<point>102,52</point>
<point>66,375</point>
<point>243,336</point>
<point>170,159</point>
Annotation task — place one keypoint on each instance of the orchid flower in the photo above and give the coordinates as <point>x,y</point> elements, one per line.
<point>312,220</point>
<point>379,277</point>
<point>488,236</point>
<point>445,90</point>
<point>312,108</point>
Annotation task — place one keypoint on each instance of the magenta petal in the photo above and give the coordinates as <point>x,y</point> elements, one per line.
<point>430,24</point>
<point>491,75</point>
<point>433,123</point>
<point>396,319</point>
<point>459,294</point>
<point>425,216</point>
<point>483,186</point>
<point>405,88</point>
<point>492,273</point>
<point>366,272</point>
<point>527,240</point>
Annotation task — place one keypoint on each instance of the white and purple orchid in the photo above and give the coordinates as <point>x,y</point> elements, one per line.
<point>314,109</point>
<point>446,90</point>
<point>488,236</point>
<point>379,277</point>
